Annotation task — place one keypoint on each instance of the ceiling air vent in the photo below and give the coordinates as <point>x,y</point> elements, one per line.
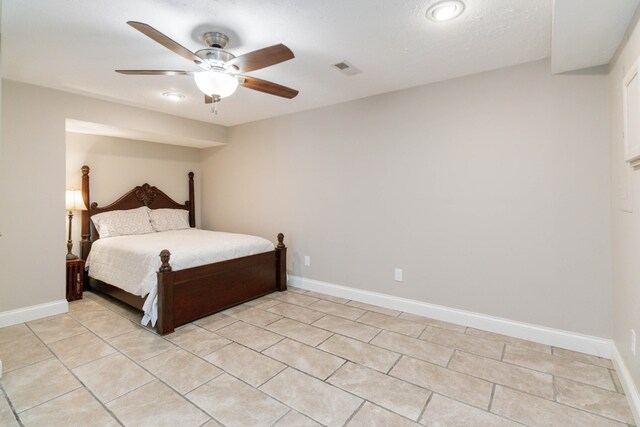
<point>346,68</point>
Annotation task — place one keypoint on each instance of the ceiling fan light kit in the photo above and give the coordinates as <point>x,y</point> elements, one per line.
<point>218,77</point>
<point>216,83</point>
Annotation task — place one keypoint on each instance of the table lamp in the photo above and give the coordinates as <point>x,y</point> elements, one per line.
<point>74,203</point>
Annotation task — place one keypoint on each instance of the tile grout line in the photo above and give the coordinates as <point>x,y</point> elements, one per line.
<point>521,367</point>
<point>590,356</point>
<point>268,310</point>
<point>348,420</point>
<point>494,385</point>
<point>150,373</point>
<point>293,368</point>
<point>156,378</point>
<point>493,392</point>
<point>325,381</point>
<point>546,373</point>
<point>214,331</point>
<point>453,353</point>
<point>394,365</point>
<point>424,408</point>
<point>13,410</point>
<point>394,351</point>
<point>565,377</point>
<point>51,356</point>
<point>391,317</point>
<point>337,387</point>
<point>297,340</point>
<point>364,398</point>
<point>374,337</point>
<point>209,420</point>
<point>280,401</point>
<point>283,415</point>
<point>456,399</point>
<point>456,347</point>
<point>250,349</point>
<point>565,405</point>
<point>325,340</point>
<point>505,417</point>
<point>82,384</point>
<point>472,376</point>
<point>390,410</point>
<point>338,333</point>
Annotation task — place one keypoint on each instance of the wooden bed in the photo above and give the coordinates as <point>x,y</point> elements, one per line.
<point>189,294</point>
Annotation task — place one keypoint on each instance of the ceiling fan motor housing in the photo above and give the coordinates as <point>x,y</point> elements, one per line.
<point>215,57</point>
<point>215,39</point>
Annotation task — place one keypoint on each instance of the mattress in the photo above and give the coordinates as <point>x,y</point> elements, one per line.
<point>131,262</point>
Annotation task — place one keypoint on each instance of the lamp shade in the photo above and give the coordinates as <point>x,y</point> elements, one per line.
<point>74,201</point>
<point>216,83</point>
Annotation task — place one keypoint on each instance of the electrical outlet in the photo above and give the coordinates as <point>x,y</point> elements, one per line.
<point>398,274</point>
<point>307,260</point>
<point>633,342</point>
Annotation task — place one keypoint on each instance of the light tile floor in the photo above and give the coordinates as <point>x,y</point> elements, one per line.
<point>294,359</point>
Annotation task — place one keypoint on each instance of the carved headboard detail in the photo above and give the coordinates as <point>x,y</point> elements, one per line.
<point>142,195</point>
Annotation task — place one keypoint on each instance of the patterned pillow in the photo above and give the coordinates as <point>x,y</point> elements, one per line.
<point>169,219</point>
<point>123,223</point>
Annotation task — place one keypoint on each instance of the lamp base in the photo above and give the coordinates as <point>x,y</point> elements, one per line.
<point>70,245</point>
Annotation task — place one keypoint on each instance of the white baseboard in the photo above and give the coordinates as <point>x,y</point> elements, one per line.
<point>629,386</point>
<point>556,337</point>
<point>26,314</point>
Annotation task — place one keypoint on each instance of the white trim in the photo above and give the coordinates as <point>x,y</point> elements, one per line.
<point>26,314</point>
<point>556,337</point>
<point>630,388</point>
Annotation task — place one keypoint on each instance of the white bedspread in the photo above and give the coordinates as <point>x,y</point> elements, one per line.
<point>131,262</point>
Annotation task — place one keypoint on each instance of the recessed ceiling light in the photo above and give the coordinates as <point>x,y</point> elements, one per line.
<point>445,10</point>
<point>173,96</point>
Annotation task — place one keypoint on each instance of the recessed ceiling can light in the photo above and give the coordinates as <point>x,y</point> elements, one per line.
<point>445,11</point>
<point>173,96</point>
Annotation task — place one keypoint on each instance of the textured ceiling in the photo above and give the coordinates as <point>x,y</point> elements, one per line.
<point>74,45</point>
<point>586,33</point>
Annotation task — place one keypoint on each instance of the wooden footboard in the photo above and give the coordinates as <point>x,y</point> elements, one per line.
<point>187,295</point>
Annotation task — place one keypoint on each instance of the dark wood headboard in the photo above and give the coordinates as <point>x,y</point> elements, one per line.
<point>142,195</point>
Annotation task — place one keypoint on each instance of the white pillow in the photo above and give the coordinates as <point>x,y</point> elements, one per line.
<point>169,219</point>
<point>123,223</point>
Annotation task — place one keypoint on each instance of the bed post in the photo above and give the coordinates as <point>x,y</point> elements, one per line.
<point>86,233</point>
<point>165,295</point>
<point>192,203</point>
<point>281,264</point>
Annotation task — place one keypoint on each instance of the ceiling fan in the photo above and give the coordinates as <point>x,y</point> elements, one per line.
<point>220,71</point>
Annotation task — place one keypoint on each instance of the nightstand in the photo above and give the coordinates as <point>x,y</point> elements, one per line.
<point>75,277</point>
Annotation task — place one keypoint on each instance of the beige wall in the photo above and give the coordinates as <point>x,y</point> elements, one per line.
<point>117,165</point>
<point>32,181</point>
<point>490,191</point>
<point>626,225</point>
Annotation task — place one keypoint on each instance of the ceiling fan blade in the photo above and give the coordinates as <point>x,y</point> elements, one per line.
<point>165,41</point>
<point>261,58</point>
<point>155,72</point>
<point>268,87</point>
<point>208,99</point>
